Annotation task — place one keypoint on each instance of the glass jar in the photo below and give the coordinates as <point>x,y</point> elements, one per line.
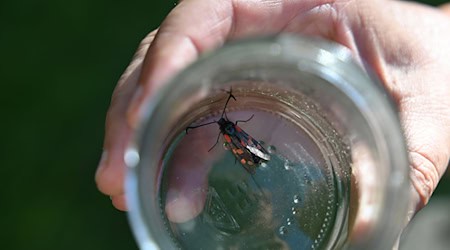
<point>332,172</point>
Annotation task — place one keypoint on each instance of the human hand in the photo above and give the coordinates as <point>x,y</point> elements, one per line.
<point>406,44</point>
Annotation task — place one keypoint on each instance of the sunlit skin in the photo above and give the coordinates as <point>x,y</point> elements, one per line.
<point>406,44</point>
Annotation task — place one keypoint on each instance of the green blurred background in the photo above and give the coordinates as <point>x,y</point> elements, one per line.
<point>59,63</point>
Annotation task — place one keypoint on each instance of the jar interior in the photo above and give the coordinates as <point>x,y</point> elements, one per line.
<point>300,198</point>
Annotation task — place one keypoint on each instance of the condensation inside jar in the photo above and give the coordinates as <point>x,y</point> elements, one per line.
<point>299,199</point>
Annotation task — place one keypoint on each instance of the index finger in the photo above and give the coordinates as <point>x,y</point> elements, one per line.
<point>195,26</point>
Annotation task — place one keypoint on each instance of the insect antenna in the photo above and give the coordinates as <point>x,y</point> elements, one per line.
<point>226,103</point>
<point>223,113</point>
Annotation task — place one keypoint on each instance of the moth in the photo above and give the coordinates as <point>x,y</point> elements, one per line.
<point>247,151</point>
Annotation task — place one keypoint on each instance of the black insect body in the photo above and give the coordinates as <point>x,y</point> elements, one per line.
<point>248,151</point>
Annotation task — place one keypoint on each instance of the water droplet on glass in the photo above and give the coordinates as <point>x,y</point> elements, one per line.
<point>288,221</point>
<point>294,210</point>
<point>272,149</point>
<point>287,165</point>
<point>263,165</point>
<point>296,199</point>
<point>282,230</point>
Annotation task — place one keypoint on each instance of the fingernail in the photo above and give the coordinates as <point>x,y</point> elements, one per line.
<point>182,207</point>
<point>180,210</point>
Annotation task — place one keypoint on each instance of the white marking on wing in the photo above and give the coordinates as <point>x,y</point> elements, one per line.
<point>258,153</point>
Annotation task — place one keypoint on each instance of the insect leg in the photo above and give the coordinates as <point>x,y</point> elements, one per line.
<point>201,125</point>
<point>216,142</point>
<point>244,120</point>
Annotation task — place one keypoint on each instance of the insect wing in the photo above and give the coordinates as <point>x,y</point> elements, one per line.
<point>245,157</point>
<point>251,144</point>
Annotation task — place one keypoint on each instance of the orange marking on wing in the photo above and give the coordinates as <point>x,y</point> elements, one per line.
<point>227,138</point>
<point>243,144</point>
<point>238,129</point>
<point>239,151</point>
<point>243,161</point>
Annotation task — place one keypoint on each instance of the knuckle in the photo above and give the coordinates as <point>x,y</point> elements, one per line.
<point>424,176</point>
<point>108,183</point>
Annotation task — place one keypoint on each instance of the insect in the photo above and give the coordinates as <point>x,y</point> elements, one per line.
<point>248,151</point>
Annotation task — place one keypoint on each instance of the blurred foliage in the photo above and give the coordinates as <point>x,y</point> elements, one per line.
<point>59,63</point>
